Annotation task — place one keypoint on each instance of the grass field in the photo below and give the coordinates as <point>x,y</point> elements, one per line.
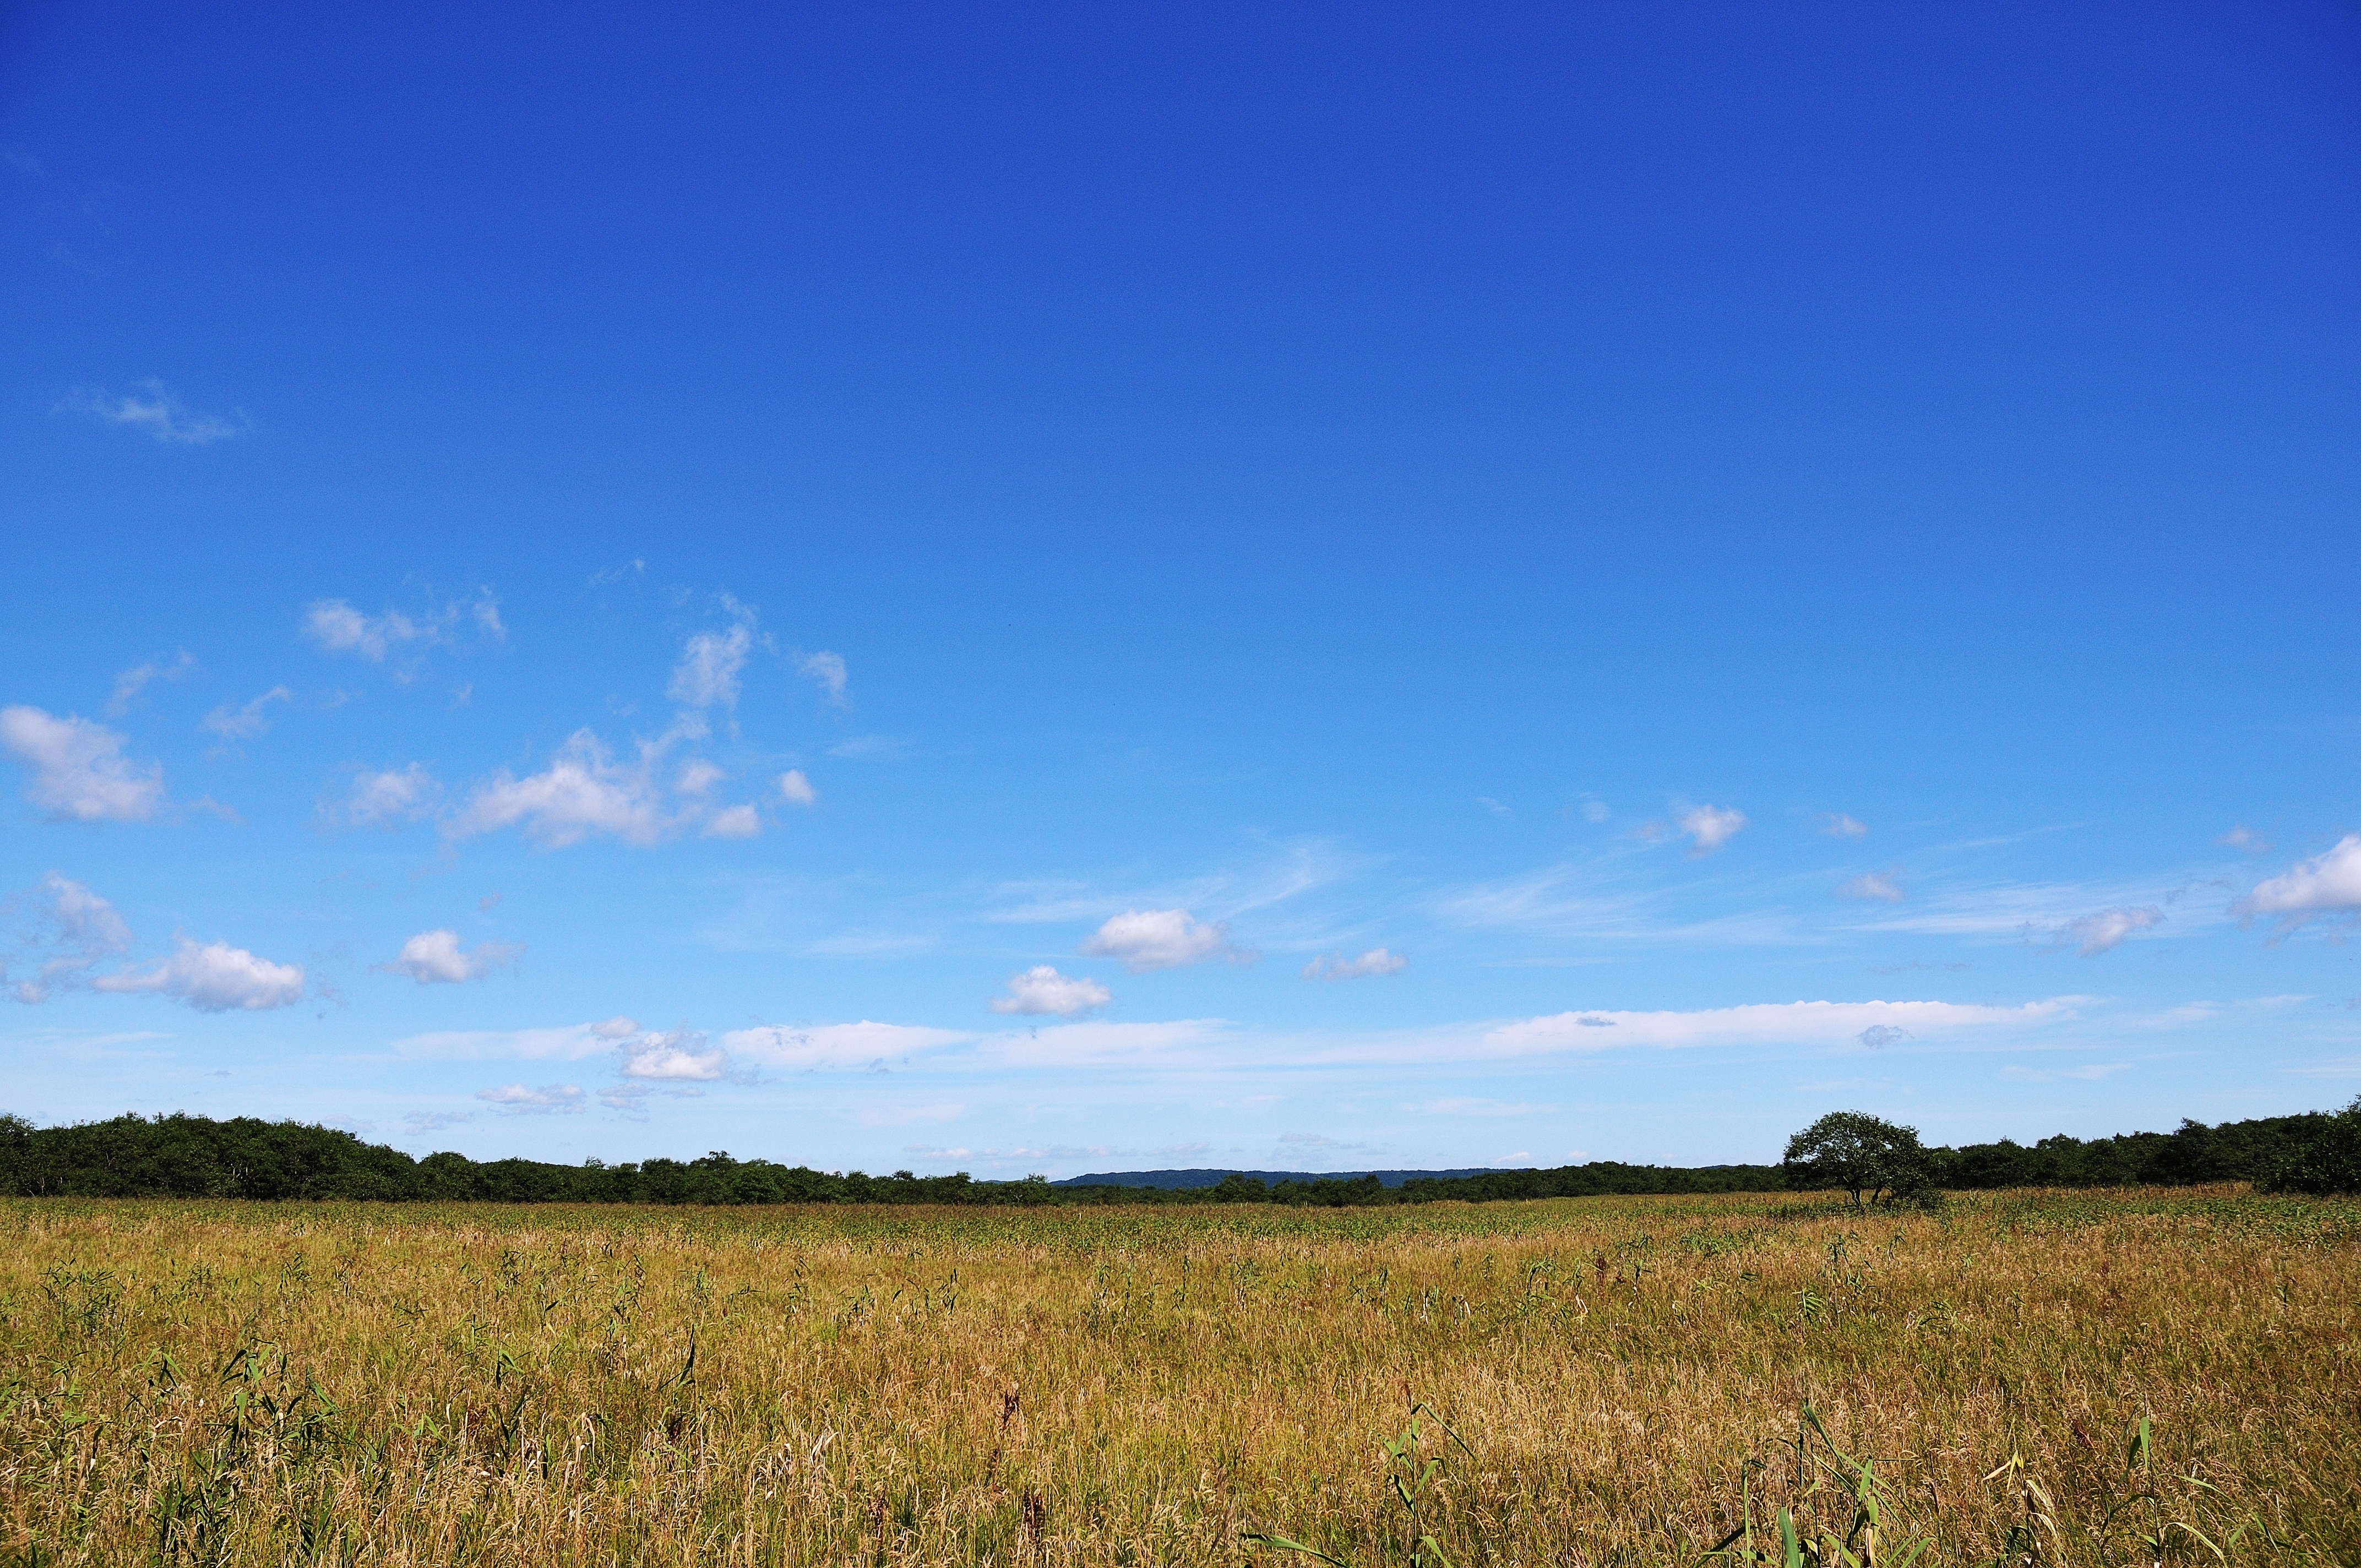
<point>216,1383</point>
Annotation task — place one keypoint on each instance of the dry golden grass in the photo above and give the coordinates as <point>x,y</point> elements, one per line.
<point>215,1383</point>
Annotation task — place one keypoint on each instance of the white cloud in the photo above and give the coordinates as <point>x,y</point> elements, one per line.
<point>433,958</point>
<point>1377,961</point>
<point>827,669</point>
<point>1843,825</point>
<point>1879,885</point>
<point>550,1098</point>
<point>214,977</point>
<point>696,776</point>
<point>132,681</point>
<point>434,1121</point>
<point>338,627</point>
<point>582,792</point>
<point>2242,837</point>
<point>244,723</point>
<point>2327,883</point>
<point>1758,1024</point>
<point>1041,989</point>
<point>836,1044</point>
<point>1709,827</point>
<point>674,1055</point>
<point>71,930</point>
<point>80,773</point>
<point>795,789</point>
<point>1149,939</point>
<point>618,1027</point>
<point>1877,1036</point>
<point>707,675</point>
<point>154,411</point>
<point>734,822</point>
<point>389,798</point>
<point>2103,931</point>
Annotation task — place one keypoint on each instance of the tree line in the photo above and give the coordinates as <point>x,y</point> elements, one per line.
<point>180,1155</point>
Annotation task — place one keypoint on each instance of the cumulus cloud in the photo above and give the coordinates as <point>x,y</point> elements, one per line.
<point>676,1057</point>
<point>132,681</point>
<point>827,669</point>
<point>734,822</point>
<point>338,627</point>
<point>154,411</point>
<point>2106,930</point>
<point>581,792</point>
<point>433,958</point>
<point>1877,1036</point>
<point>79,772</point>
<point>619,1027</point>
<point>247,722</point>
<point>1042,990</point>
<point>1147,939</point>
<point>550,1098</point>
<point>2327,883</point>
<point>213,976</point>
<point>1376,962</point>
<point>698,776</point>
<point>707,675</point>
<point>2242,837</point>
<point>66,929</point>
<point>1879,885</point>
<point>1843,825</point>
<point>434,1121</point>
<point>830,1045</point>
<point>388,799</point>
<point>795,789</point>
<point>1709,827</point>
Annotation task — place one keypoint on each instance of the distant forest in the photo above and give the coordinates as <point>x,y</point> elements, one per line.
<point>179,1156</point>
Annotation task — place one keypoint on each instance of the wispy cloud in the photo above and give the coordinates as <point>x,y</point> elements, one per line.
<point>335,627</point>
<point>828,670</point>
<point>550,1098</point>
<point>1843,825</point>
<point>132,681</point>
<point>1335,966</point>
<point>2104,930</point>
<point>153,409</point>
<point>246,721</point>
<point>1878,885</point>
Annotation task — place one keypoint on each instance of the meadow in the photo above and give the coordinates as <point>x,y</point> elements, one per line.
<point>2056,1378</point>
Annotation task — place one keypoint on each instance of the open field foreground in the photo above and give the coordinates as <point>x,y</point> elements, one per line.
<point>218,1383</point>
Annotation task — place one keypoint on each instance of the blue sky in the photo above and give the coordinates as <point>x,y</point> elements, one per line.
<point>1034,589</point>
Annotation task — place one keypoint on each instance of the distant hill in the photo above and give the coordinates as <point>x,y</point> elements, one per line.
<point>1173,1179</point>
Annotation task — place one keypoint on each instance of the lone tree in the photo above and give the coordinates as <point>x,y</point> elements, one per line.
<point>1869,1159</point>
